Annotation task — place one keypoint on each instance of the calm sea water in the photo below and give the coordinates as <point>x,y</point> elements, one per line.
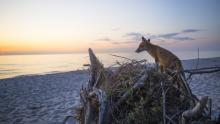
<point>16,65</point>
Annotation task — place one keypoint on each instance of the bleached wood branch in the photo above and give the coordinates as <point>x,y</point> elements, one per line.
<point>95,67</point>
<point>69,120</point>
<point>97,81</point>
<point>195,112</point>
<point>103,108</point>
<point>203,70</point>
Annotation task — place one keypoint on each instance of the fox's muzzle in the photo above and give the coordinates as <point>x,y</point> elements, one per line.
<point>139,50</point>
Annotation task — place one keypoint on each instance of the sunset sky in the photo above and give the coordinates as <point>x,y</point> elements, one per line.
<point>66,26</point>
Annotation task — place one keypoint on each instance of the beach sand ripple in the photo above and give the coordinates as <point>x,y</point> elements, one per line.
<point>40,99</point>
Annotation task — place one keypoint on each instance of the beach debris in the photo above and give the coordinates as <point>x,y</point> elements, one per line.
<point>204,70</point>
<point>69,120</point>
<point>136,93</point>
<point>86,65</point>
<point>195,112</point>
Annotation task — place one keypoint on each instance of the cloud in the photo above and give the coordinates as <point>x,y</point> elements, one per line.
<point>133,35</point>
<point>161,37</point>
<point>136,36</point>
<point>173,36</point>
<point>183,38</point>
<point>112,41</point>
<point>104,39</point>
<point>191,30</point>
<point>179,36</point>
<point>168,35</point>
<point>123,42</point>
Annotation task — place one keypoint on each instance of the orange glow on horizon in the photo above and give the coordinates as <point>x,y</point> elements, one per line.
<point>13,46</point>
<point>23,46</point>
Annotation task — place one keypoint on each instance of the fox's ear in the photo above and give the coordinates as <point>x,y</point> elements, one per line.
<point>143,39</point>
<point>148,40</point>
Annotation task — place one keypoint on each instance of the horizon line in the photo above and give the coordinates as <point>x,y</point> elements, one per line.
<point>51,53</point>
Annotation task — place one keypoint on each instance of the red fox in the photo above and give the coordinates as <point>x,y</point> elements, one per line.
<point>163,57</point>
<point>166,60</point>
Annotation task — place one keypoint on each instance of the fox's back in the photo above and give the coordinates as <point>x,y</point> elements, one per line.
<point>165,57</point>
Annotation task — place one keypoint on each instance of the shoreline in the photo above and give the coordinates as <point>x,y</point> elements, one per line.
<point>187,63</point>
<point>46,74</point>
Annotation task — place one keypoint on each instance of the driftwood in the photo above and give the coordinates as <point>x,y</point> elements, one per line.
<point>201,71</point>
<point>97,85</point>
<point>196,112</point>
<point>136,93</point>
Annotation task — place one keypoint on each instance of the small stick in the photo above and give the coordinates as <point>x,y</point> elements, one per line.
<point>210,108</point>
<point>170,120</point>
<point>197,63</point>
<point>202,72</point>
<point>121,57</point>
<point>164,102</point>
<point>205,68</point>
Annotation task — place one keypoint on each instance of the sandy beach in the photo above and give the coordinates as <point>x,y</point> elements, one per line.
<point>50,98</point>
<point>40,99</point>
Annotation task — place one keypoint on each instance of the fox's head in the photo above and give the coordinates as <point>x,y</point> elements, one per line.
<point>143,45</point>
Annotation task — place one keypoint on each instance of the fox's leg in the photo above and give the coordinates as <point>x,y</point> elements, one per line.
<point>157,63</point>
<point>161,68</point>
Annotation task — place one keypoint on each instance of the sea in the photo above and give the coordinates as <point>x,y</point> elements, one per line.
<point>34,64</point>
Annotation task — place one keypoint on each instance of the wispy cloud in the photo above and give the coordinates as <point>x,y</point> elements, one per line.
<point>168,35</point>
<point>171,36</point>
<point>124,42</point>
<point>191,30</point>
<point>183,38</point>
<point>174,36</point>
<point>133,35</point>
<point>178,36</point>
<point>112,41</point>
<point>104,39</point>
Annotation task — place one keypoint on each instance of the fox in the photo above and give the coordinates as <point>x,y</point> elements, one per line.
<point>164,59</point>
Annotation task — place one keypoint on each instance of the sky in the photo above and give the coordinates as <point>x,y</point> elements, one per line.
<point>72,26</point>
